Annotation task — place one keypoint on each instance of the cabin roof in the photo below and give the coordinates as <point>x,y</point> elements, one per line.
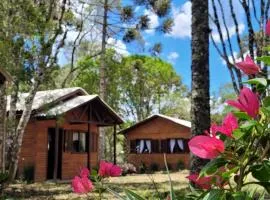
<point>51,103</point>
<point>172,119</point>
<point>46,97</point>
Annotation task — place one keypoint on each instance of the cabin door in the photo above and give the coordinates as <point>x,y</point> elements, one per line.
<point>52,153</point>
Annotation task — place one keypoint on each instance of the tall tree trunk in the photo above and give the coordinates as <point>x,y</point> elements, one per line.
<point>17,141</point>
<point>3,103</point>
<point>102,74</point>
<point>200,107</point>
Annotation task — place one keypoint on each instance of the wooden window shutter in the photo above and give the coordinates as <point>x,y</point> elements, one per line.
<point>164,146</point>
<point>132,146</point>
<point>155,146</point>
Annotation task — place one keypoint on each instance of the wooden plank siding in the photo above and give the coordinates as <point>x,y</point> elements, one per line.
<point>35,148</point>
<point>158,129</point>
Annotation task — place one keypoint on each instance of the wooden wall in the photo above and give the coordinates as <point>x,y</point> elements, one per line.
<point>158,129</point>
<point>35,149</point>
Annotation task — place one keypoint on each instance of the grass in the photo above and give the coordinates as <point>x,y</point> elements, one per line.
<point>143,184</point>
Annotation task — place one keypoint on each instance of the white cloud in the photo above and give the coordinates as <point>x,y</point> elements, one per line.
<point>182,22</point>
<point>154,23</point>
<point>119,46</point>
<point>231,31</point>
<point>172,56</point>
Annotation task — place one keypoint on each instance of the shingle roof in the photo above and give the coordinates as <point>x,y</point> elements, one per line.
<point>45,97</point>
<point>172,119</point>
<point>67,106</point>
<point>51,103</point>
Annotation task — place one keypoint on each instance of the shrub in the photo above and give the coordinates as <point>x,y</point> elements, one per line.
<point>154,167</point>
<point>142,168</point>
<point>3,180</point>
<point>28,173</point>
<point>180,165</point>
<point>128,168</point>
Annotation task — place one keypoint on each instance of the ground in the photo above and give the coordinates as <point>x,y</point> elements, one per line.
<point>143,184</point>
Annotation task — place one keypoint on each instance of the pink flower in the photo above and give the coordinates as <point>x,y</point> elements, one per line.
<point>84,172</point>
<point>247,102</point>
<point>248,66</point>
<point>107,169</point>
<point>203,182</point>
<point>82,185</point>
<point>206,147</point>
<point>267,28</point>
<point>229,124</point>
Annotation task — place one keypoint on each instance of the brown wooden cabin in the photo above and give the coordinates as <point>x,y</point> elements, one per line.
<point>62,134</point>
<point>155,136</point>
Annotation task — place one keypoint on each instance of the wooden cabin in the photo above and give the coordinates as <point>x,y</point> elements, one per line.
<point>155,136</point>
<point>62,134</point>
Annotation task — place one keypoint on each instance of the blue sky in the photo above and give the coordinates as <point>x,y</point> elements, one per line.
<point>177,45</point>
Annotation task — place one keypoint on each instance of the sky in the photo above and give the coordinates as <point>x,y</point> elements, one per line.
<point>177,45</point>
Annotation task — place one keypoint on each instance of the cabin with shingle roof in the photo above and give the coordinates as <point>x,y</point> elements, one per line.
<point>158,135</point>
<point>62,134</point>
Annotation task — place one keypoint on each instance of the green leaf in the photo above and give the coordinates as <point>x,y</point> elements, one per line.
<point>266,101</point>
<point>214,195</point>
<point>265,59</point>
<point>261,171</point>
<point>241,115</point>
<point>132,195</point>
<point>241,196</point>
<point>249,124</point>
<point>267,48</point>
<point>237,134</point>
<point>212,166</point>
<point>257,81</point>
<point>227,174</point>
<point>172,194</point>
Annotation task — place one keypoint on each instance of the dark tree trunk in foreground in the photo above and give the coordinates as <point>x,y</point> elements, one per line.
<point>200,108</point>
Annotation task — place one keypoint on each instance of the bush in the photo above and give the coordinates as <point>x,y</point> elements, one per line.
<point>154,167</point>
<point>180,165</point>
<point>142,168</point>
<point>128,168</point>
<point>169,167</point>
<point>28,174</point>
<point>3,180</point>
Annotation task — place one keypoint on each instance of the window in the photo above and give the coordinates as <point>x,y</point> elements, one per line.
<point>75,141</point>
<point>176,145</point>
<point>143,146</point>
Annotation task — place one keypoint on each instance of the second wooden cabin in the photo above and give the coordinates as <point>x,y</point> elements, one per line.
<point>155,136</point>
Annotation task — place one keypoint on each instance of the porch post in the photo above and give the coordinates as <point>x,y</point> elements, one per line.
<point>114,144</point>
<point>56,148</point>
<point>88,137</point>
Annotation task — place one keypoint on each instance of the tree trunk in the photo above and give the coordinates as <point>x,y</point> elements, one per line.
<point>17,142</point>
<point>102,71</point>
<point>3,103</point>
<point>200,107</point>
